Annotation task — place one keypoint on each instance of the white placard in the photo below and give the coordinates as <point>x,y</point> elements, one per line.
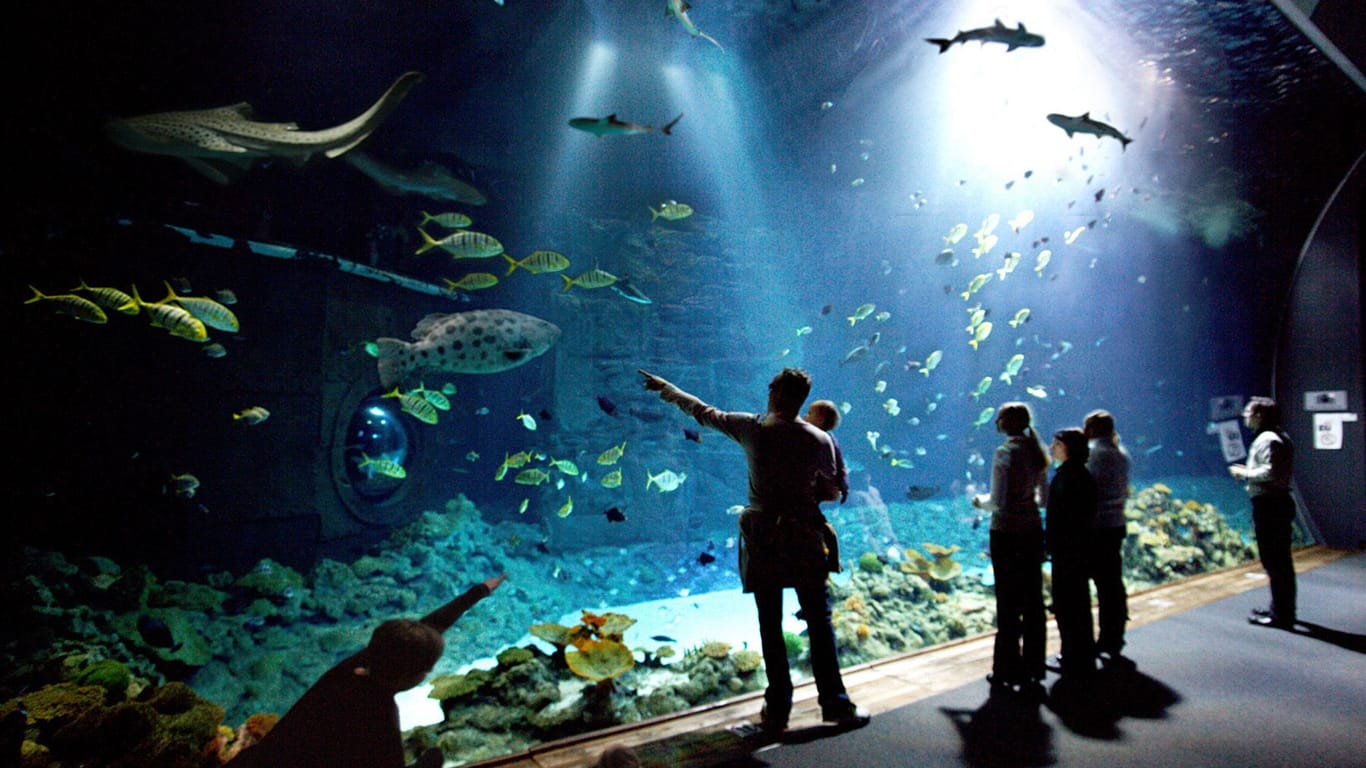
<point>1226,407</point>
<point>1328,400</point>
<point>1328,430</point>
<point>1231,440</point>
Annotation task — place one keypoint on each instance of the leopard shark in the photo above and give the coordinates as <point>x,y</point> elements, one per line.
<point>223,142</point>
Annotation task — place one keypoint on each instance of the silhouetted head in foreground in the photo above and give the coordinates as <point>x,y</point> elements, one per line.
<point>1100,425</point>
<point>401,653</point>
<point>788,391</point>
<point>1073,443</point>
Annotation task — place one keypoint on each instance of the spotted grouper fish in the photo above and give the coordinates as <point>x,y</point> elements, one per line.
<point>479,341</point>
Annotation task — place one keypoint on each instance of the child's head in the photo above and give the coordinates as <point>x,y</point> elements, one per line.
<point>1072,441</point>
<point>823,414</point>
<point>402,652</point>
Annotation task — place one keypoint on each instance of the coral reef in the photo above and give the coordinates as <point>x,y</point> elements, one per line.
<point>71,724</point>
<point>532,696</point>
<point>255,642</point>
<point>942,569</point>
<point>1171,539</point>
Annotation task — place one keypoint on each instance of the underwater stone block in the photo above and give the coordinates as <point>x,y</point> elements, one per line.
<point>271,579</point>
<point>51,707</point>
<point>113,676</point>
<point>189,596</point>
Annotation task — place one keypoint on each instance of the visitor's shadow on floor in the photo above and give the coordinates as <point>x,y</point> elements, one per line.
<point>1336,637</point>
<point>1005,732</point>
<point>1093,707</point>
<point>733,748</point>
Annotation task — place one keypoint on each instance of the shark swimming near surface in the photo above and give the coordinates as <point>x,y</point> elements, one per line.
<point>428,180</point>
<point>223,142</point>
<point>679,10</point>
<point>996,33</point>
<point>611,126</point>
<point>1084,123</point>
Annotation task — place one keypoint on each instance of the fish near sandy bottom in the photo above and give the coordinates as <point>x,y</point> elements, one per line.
<point>480,341</point>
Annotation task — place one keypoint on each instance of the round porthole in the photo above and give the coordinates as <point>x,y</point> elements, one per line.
<point>376,449</point>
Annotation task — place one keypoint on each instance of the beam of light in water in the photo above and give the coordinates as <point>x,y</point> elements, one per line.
<point>722,136</point>
<point>594,79</point>
<point>720,133</point>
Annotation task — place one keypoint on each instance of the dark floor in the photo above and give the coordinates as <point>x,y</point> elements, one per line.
<point>1209,690</point>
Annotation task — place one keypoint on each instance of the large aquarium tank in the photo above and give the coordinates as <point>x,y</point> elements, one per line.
<point>323,312</point>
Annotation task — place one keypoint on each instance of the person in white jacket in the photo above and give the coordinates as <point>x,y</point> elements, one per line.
<point>1270,466</point>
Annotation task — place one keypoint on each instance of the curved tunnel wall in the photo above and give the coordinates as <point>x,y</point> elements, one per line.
<point>1320,351</point>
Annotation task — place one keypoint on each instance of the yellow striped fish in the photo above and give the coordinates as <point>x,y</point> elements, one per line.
<point>207,311</point>
<point>538,262</point>
<point>593,278</point>
<point>71,304</point>
<point>611,455</point>
<point>110,298</point>
<point>449,220</point>
<point>381,466</point>
<point>437,399</point>
<point>463,244</point>
<point>415,406</point>
<point>474,281</point>
<point>176,320</point>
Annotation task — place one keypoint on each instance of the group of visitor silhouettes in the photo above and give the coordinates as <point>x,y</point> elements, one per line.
<point>349,717</point>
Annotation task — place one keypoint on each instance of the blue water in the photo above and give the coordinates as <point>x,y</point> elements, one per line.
<point>830,156</point>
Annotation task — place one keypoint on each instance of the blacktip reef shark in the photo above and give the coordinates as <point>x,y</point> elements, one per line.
<point>223,141</point>
<point>611,126</point>
<point>679,10</point>
<point>1084,123</point>
<point>1019,37</point>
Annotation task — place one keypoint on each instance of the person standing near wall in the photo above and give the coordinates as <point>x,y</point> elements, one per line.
<point>1109,466</point>
<point>1268,472</point>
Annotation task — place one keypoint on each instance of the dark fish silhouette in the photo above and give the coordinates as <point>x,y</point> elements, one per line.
<point>662,639</point>
<point>1019,37</point>
<point>692,434</point>
<point>921,492</point>
<point>615,515</point>
<point>706,558</point>
<point>647,415</point>
<point>608,407</point>
<point>827,309</point>
<point>156,633</point>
